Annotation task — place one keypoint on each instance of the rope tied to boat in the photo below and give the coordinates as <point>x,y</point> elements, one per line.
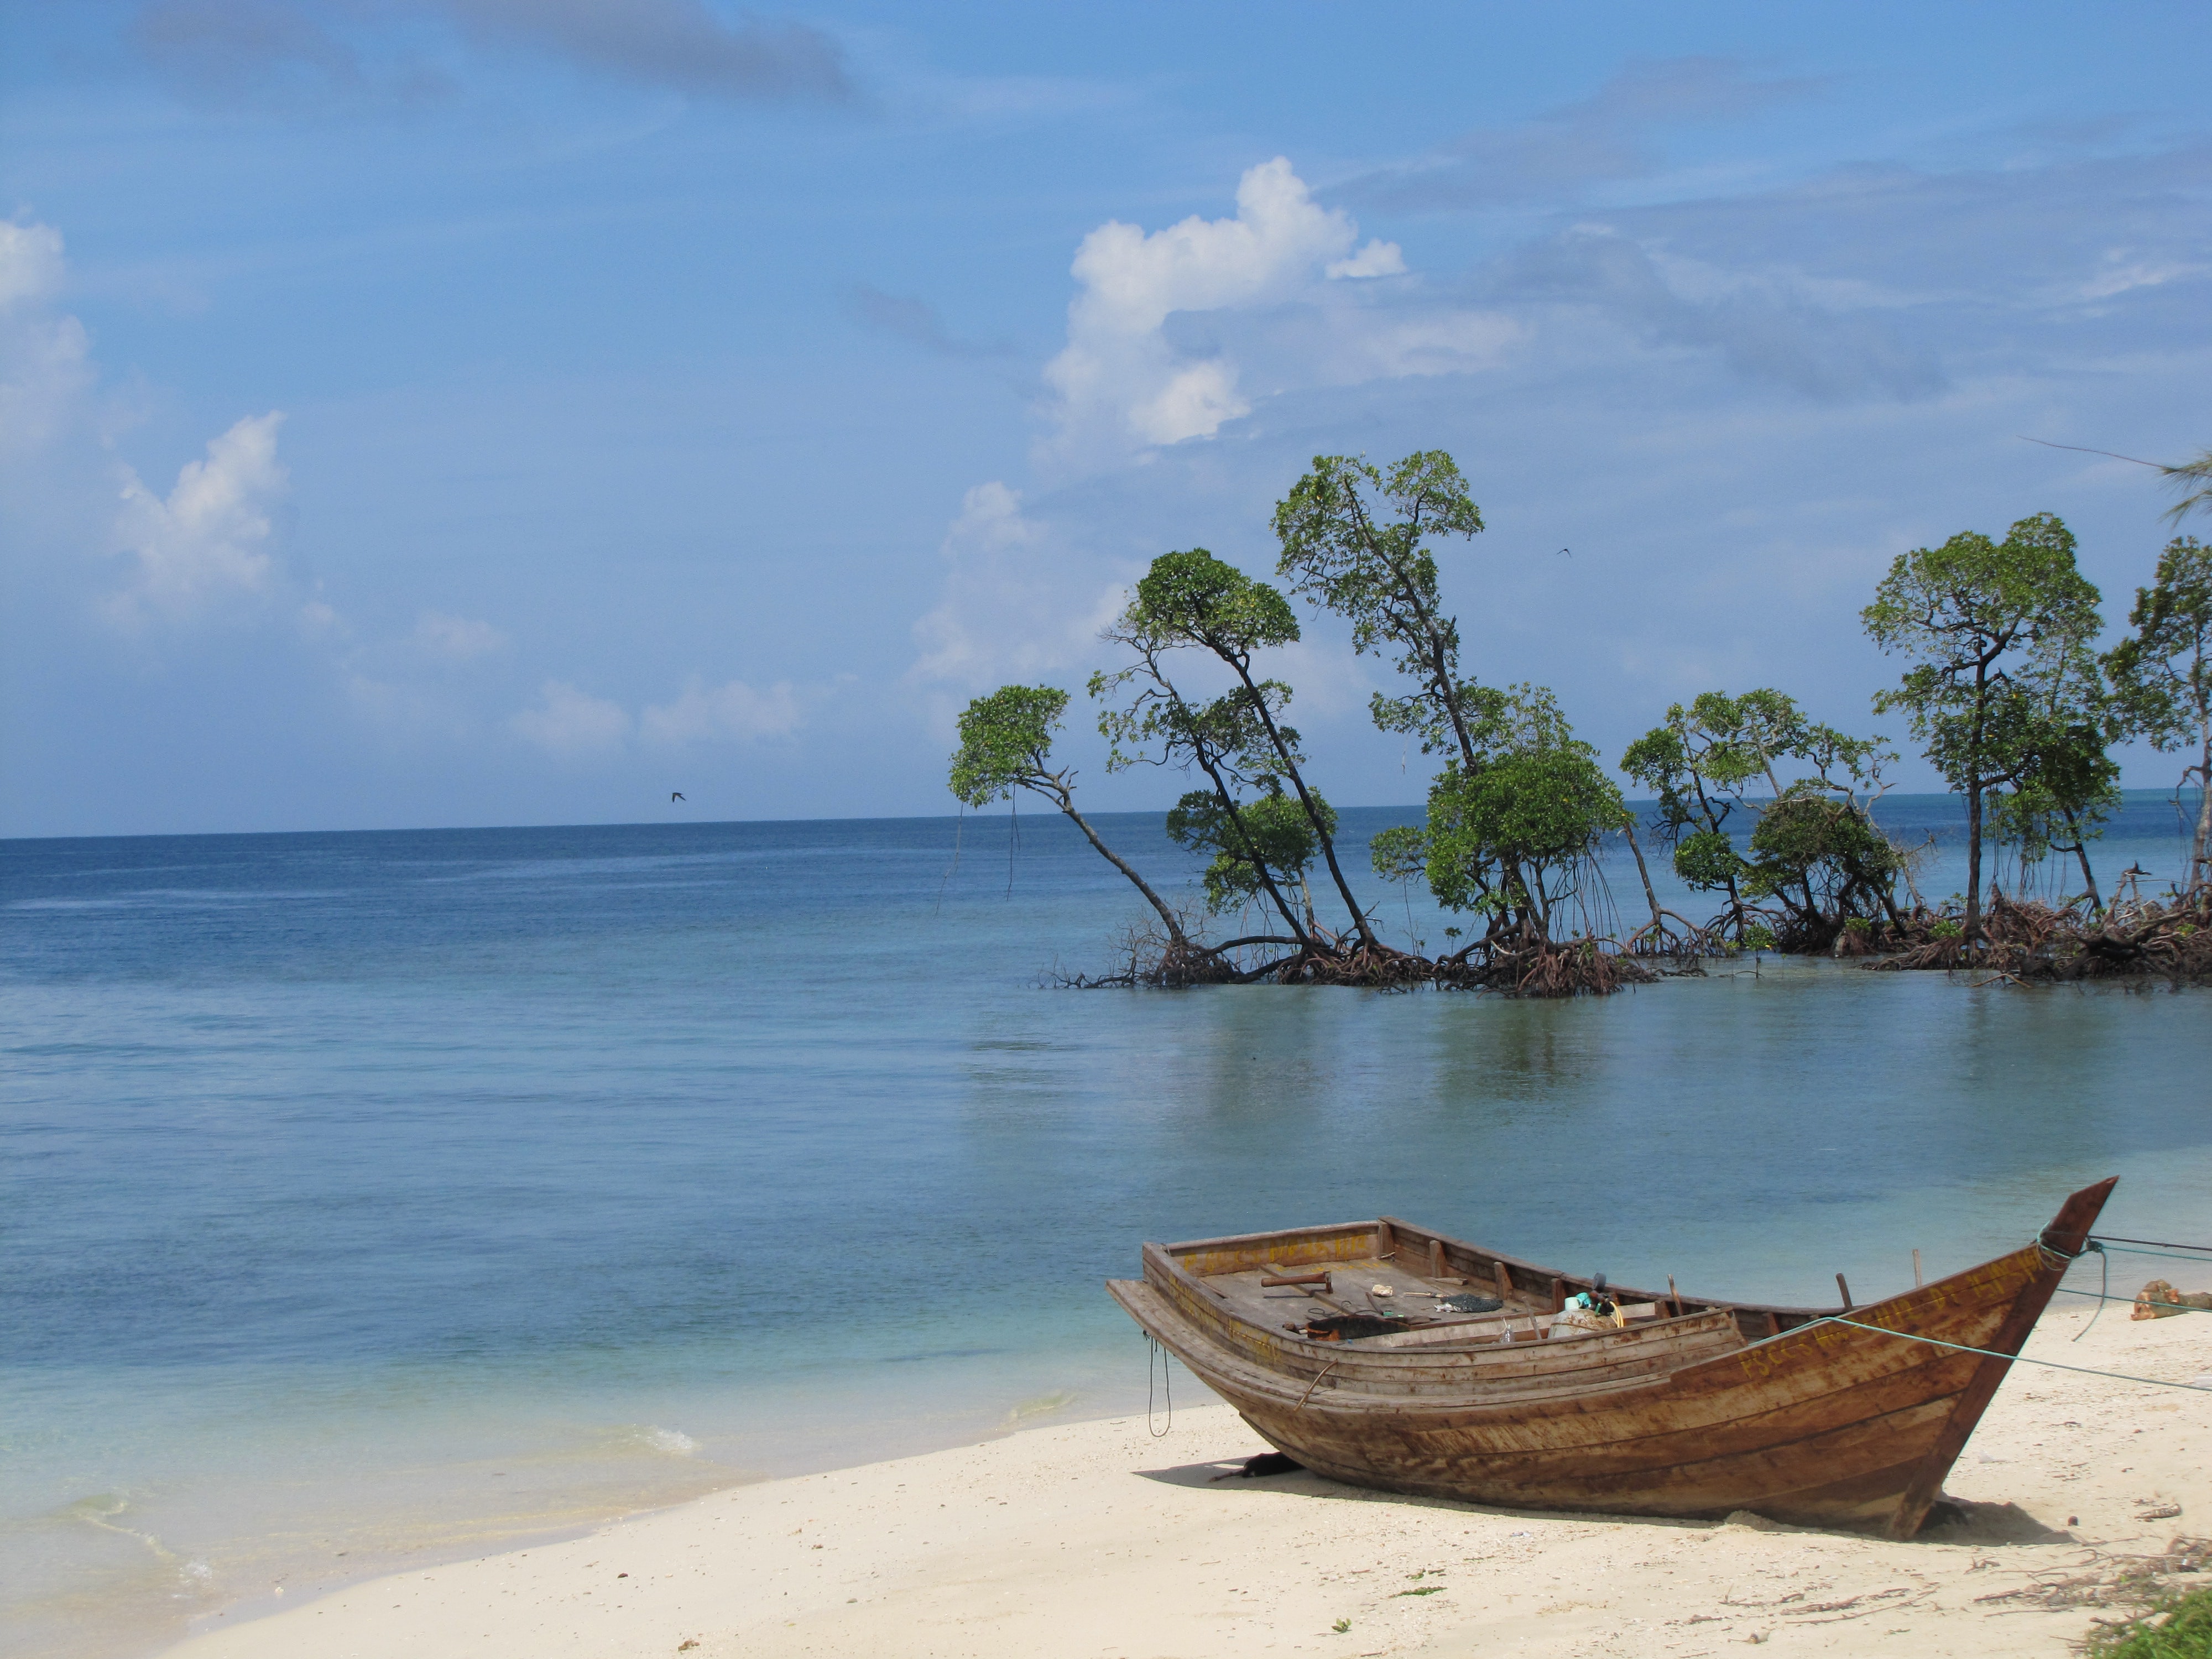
<point>2104,1284</point>
<point>2132,1301</point>
<point>2170,1252</point>
<point>1167,1384</point>
<point>2104,1244</point>
<point>1962,1347</point>
<point>2054,1258</point>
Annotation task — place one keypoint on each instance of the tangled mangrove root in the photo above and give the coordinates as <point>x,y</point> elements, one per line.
<point>2032,942</point>
<point>2025,942</point>
<point>1582,967</point>
<point>1534,967</point>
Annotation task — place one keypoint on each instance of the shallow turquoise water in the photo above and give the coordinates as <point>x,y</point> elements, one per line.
<point>405,1193</point>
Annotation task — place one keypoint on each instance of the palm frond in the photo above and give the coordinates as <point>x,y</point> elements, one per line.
<point>2196,473</point>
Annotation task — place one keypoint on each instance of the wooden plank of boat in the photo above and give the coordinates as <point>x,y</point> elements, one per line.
<point>1697,1415</point>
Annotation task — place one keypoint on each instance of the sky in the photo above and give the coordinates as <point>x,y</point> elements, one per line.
<point>438,412</point>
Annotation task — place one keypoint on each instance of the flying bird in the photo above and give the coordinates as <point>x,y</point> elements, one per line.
<point>677,794</point>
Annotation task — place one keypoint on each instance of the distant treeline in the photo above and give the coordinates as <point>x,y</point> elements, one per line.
<point>2002,687</point>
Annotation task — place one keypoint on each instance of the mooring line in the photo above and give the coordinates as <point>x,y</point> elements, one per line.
<point>2104,1281</point>
<point>2137,1301</point>
<point>1167,1382</point>
<point>1962,1347</point>
<point>2168,1254</point>
<point>2166,1245</point>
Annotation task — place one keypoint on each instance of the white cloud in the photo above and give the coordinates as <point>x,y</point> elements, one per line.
<point>2121,273</point>
<point>30,262</point>
<point>1289,304</point>
<point>210,537</point>
<point>456,639</point>
<point>1119,380</point>
<point>1017,602</point>
<point>1427,341</point>
<point>1378,259</point>
<point>734,710</point>
<point>568,721</point>
<point>45,360</point>
<point>47,371</point>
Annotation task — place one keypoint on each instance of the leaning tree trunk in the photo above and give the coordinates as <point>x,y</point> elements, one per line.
<point>2200,869</point>
<point>1167,916</point>
<point>2082,852</point>
<point>1223,793</point>
<point>1650,897</point>
<point>1313,812</point>
<point>1973,863</point>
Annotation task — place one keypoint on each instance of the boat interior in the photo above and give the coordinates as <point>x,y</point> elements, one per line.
<point>1387,1283</point>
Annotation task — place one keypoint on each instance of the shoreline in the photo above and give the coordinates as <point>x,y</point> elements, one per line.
<point>1093,1538</point>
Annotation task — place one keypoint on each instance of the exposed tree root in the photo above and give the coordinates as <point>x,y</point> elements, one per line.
<point>2023,942</point>
<point>1532,966</point>
<point>2031,942</point>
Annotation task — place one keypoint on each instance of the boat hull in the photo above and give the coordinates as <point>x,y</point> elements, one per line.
<point>1828,1424</point>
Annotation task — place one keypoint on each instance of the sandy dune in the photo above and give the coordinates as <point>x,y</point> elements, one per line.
<point>1095,1539</point>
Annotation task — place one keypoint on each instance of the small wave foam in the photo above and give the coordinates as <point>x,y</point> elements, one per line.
<point>1044,1405</point>
<point>674,1442</point>
<point>101,1510</point>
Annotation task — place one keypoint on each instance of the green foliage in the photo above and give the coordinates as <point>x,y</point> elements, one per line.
<point>1981,616</point>
<point>2001,634</point>
<point>2069,790</point>
<point>1353,542</point>
<point>1511,830</point>
<point>1194,598</point>
<point>1945,929</point>
<point>2178,1627</point>
<point>1826,849</point>
<point>2162,672</point>
<point>1222,737</point>
<point>1270,833</point>
<point>2161,675</point>
<point>1191,599</point>
<point>1702,762</point>
<point>1006,742</point>
<point>1706,861</point>
<point>1401,853</point>
<point>2066,787</point>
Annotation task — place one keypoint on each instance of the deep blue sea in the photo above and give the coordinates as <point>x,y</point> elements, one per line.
<point>367,1198</point>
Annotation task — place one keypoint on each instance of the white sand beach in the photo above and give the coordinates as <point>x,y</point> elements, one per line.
<point>1097,1539</point>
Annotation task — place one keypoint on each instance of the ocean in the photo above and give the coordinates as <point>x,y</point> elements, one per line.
<point>373,1198</point>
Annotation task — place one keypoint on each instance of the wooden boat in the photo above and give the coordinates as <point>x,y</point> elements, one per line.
<point>1679,1406</point>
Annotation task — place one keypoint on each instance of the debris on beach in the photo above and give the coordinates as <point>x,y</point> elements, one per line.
<point>2160,1300</point>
